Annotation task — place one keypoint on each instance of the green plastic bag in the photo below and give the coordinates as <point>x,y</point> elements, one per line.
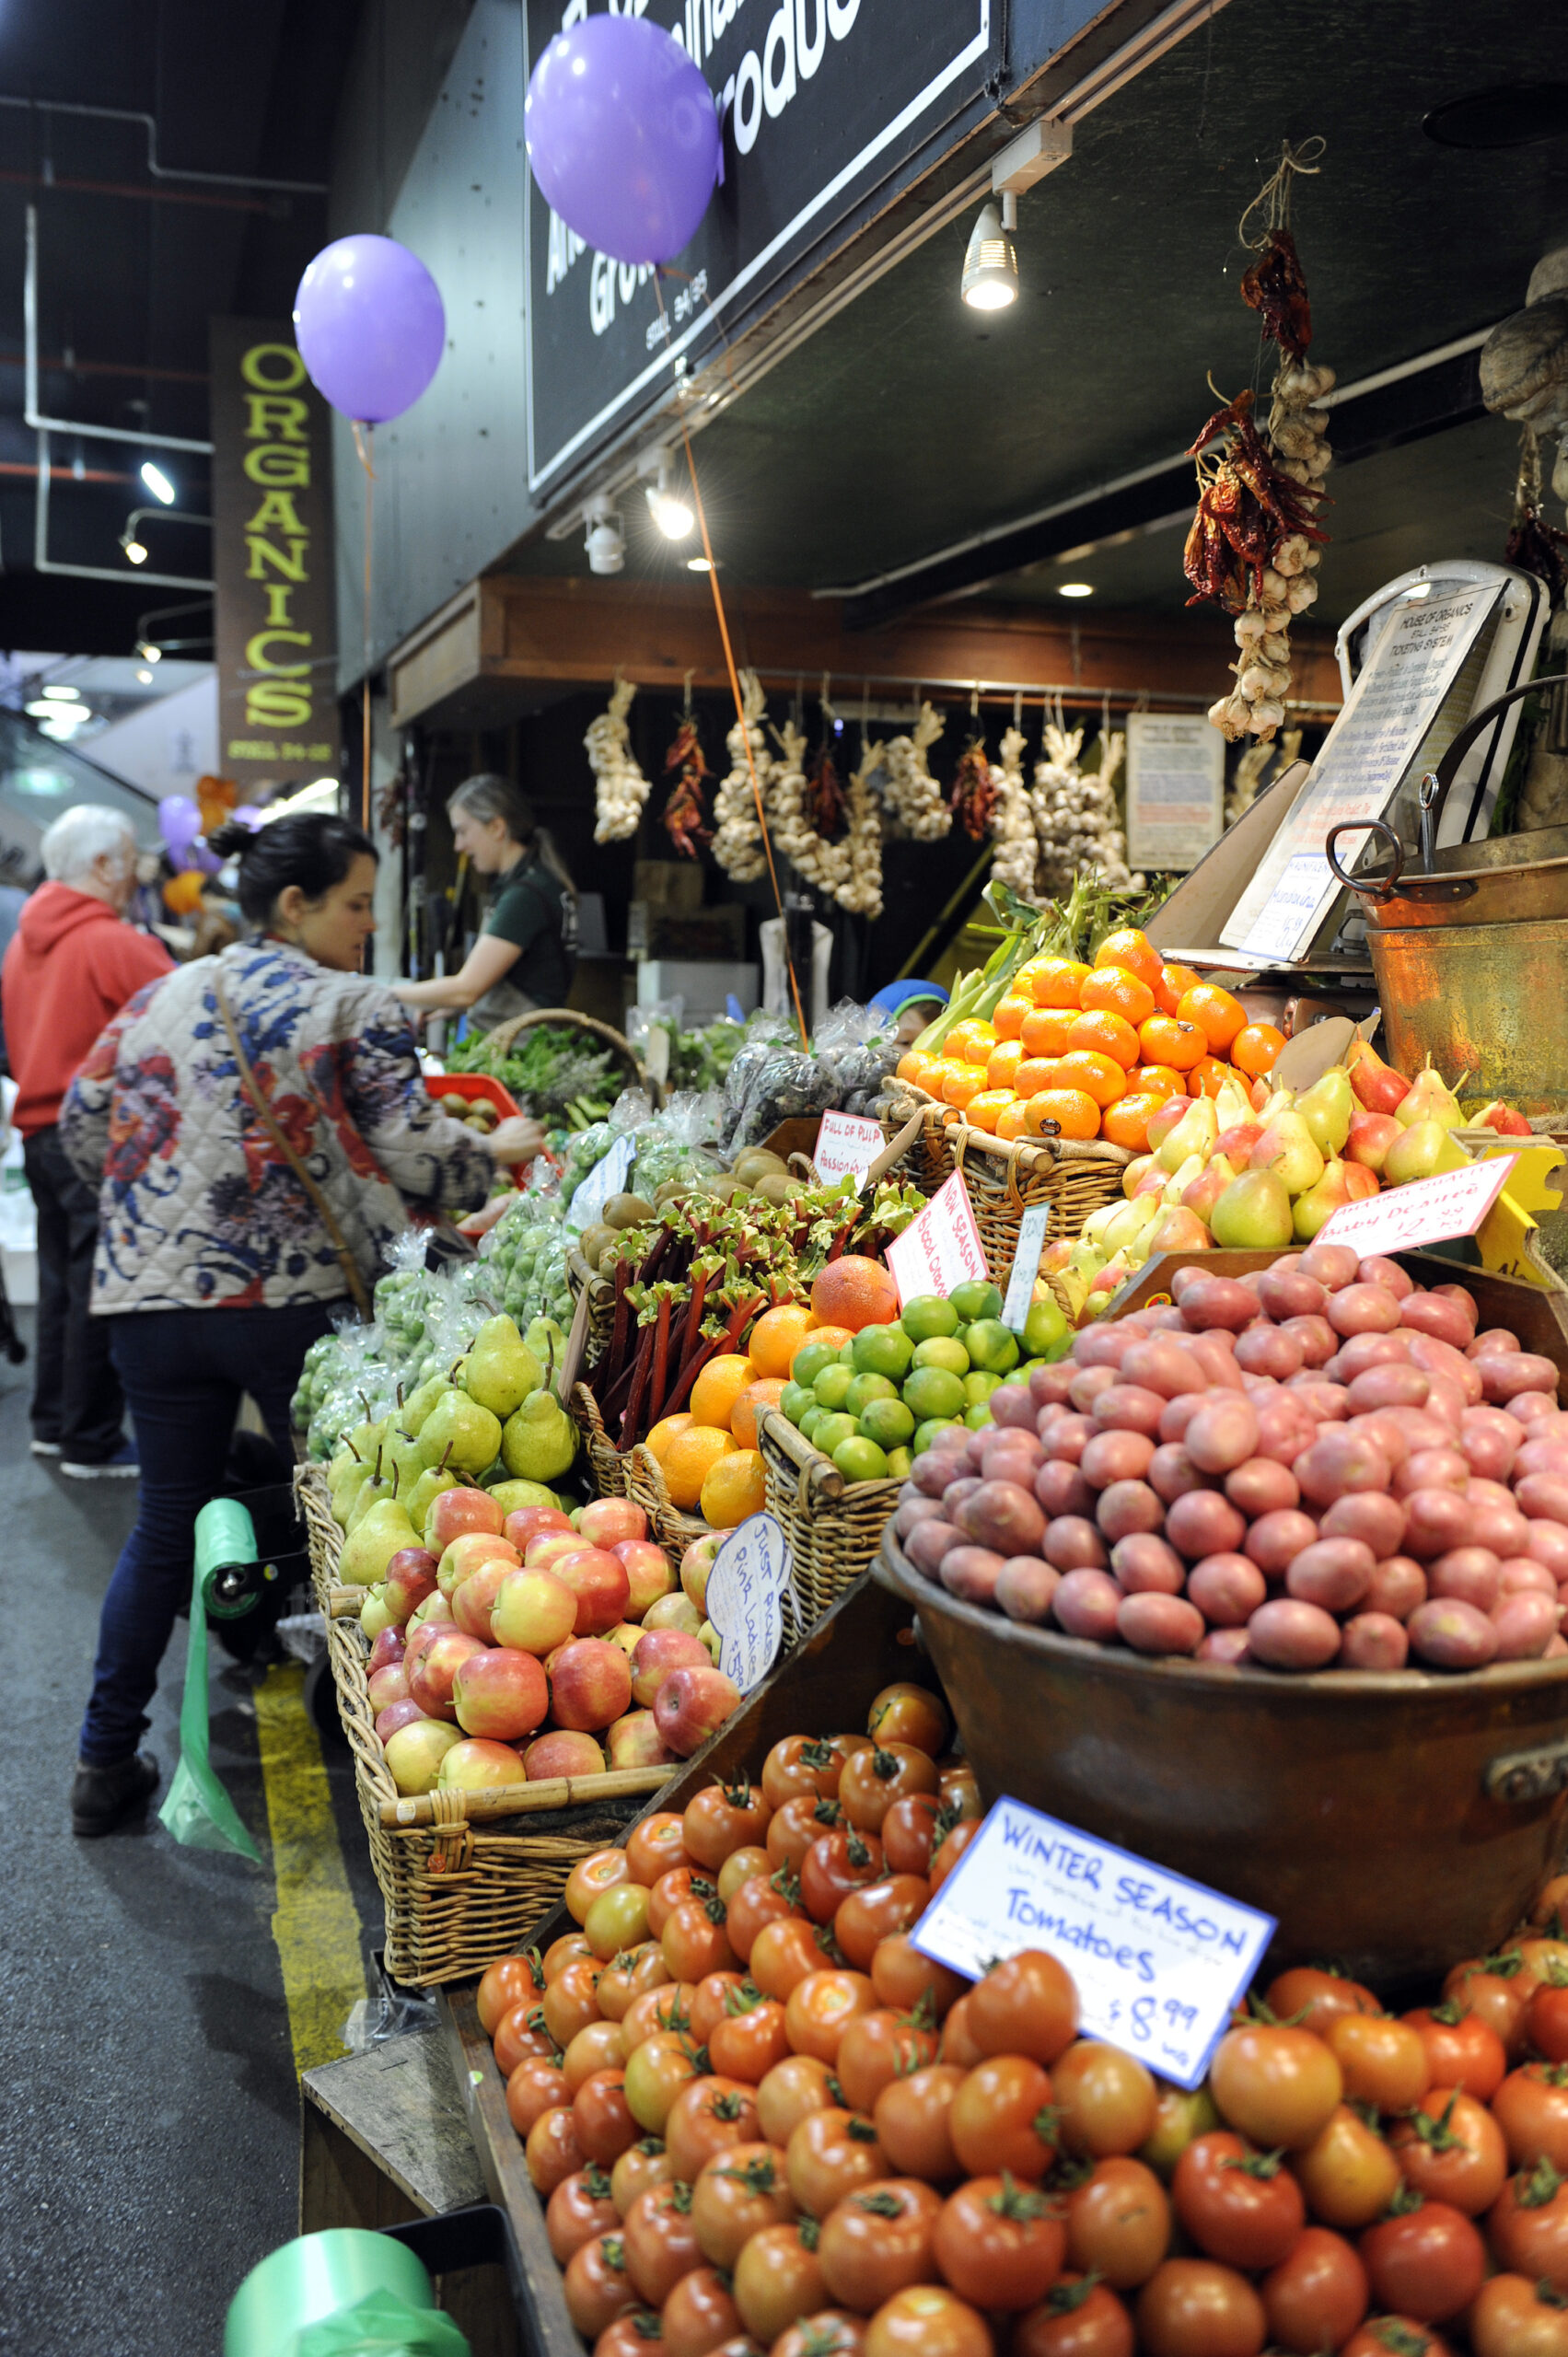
<point>198,1811</point>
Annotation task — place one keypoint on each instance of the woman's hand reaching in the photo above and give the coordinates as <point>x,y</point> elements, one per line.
<point>517,1139</point>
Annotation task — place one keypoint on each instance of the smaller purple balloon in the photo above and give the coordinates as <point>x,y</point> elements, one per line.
<point>208,862</point>
<point>180,823</point>
<point>623,137</point>
<point>247,815</point>
<point>370,327</point>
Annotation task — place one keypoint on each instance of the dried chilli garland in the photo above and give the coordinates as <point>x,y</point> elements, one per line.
<point>620,788</point>
<point>683,813</point>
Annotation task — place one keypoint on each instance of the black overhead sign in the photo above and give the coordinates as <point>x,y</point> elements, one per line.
<point>822,101</point>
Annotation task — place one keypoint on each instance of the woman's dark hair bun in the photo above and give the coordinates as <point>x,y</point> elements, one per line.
<point>232,840</point>
<point>313,849</point>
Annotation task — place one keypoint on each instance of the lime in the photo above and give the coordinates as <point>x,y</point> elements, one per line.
<point>978,1386</point>
<point>977,1299</point>
<point>928,1316</point>
<point>926,1433</point>
<point>794,1399</point>
<point>933,1391</point>
<point>831,1431</point>
<point>978,1418</point>
<point>887,1421</point>
<point>990,1346</point>
<point>810,1361</point>
<point>830,1385</point>
<point>899,1463</point>
<point>860,1460</point>
<point>810,1422</point>
<point>883,1350</point>
<point>864,1388</point>
<point>846,1356</point>
<point>944,1353</point>
<point>1045,1328</point>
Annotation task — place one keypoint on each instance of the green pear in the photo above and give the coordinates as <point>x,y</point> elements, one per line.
<point>501,1370</point>
<point>510,1496</point>
<point>1321,1202</point>
<point>1130,1221</point>
<point>1423,1151</point>
<point>381,1483</point>
<point>1428,1099</point>
<point>367,1438</point>
<point>1287,1148</point>
<point>372,1544</point>
<point>1232,1104</point>
<point>1326,1108</point>
<point>401,1452</point>
<point>539,1441</point>
<point>1182,1178</point>
<point>458,1430</point>
<point>1253,1214</point>
<point>346,1476</point>
<point>425,1490</point>
<point>376,1613</point>
<point>1195,1133</point>
<point>547,1340</point>
<point>419,1403</point>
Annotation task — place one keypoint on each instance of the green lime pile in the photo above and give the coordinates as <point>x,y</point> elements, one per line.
<point>876,1404</point>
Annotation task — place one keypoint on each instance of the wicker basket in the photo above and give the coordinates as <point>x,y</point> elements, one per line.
<point>465,1876</point>
<point>928,1164</point>
<point>609,1464</point>
<point>505,1034</point>
<point>834,1527</point>
<point>646,1487</point>
<point>1074,1178</point>
<point>581,1280</point>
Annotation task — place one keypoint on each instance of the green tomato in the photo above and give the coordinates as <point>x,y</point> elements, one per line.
<point>618,1919</point>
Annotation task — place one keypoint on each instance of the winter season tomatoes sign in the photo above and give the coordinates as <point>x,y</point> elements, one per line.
<point>941,1250</point>
<point>1158,1961</point>
<point>1424,1211</point>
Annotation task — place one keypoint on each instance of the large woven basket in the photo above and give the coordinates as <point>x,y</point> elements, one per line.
<point>1073,1177</point>
<point>599,1035</point>
<point>645,1486</point>
<point>834,1528</point>
<point>464,1876</point>
<point>928,1164</point>
<point>581,1280</point>
<point>609,1464</point>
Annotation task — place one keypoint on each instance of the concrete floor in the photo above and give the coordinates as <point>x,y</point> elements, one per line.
<point>149,2134</point>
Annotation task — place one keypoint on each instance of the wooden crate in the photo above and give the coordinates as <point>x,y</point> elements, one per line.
<point>833,1526</point>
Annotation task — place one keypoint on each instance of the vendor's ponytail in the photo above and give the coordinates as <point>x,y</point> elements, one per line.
<point>313,849</point>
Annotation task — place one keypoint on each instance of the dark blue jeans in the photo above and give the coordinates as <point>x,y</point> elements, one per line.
<point>183,1371</point>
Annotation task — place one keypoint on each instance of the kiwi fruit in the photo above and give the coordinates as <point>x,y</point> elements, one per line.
<point>457,1105</point>
<point>627,1210</point>
<point>755,1162</point>
<point>595,1241</point>
<point>777,1188</point>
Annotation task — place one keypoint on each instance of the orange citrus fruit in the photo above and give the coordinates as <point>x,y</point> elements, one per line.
<point>1171,1039</point>
<point>1004,1062</point>
<point>1174,982</point>
<point>776,1337</point>
<point>984,1112</point>
<point>664,1432</point>
<point>1035,1073</point>
<point>765,1393</point>
<point>1208,1077</point>
<point>961,1083</point>
<point>1045,1030</point>
<point>1108,1035</point>
<point>1072,1111</point>
<point>1098,1076</point>
<point>1127,1124</point>
<point>1058,983</point>
<point>690,1459</point>
<point>1254,1048</point>
<point>1013,1122</point>
<point>835,1338</point>
<point>1217,1014</point>
<point>1008,1019</point>
<point>943,1069</point>
<point>733,1490</point>
<point>1134,952</point>
<point>913,1066</point>
<point>1157,1080</point>
<point>971,1041</point>
<point>719,1385</point>
<point>854,1292</point>
<point>1112,988</point>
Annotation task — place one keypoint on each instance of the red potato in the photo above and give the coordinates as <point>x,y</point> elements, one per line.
<point>1120,1456</point>
<point>1004,1516</point>
<point>1368,1515</point>
<point>1542,1497</point>
<point>928,1542</point>
<point>1172,1473</point>
<point>1163,1364</point>
<point>1225,1646</point>
<point>1325,1402</point>
<point>1362,1309</point>
<point>1218,1359</point>
<point>1429,1313</point>
<point>1334,1573</point>
<point>1088,1384</point>
<point>972,1572</point>
<point>1432,1469</point>
<point>1285,1294</point>
<point>1537,1409</point>
<point>1269,1350</point>
<point>1159,1624</point>
<point>1086,1603</point>
<point>1503,1528</point>
<point>1070,1435</point>
<point>1261,1485</point>
<point>1374,1641</point>
<point>1545,1454</point>
<point>1436,1521</point>
<point>1399,1585</point>
<point>1284,1428</point>
<point>1205,1522</point>
<point>1129,1506</point>
<point>1221,1435</point>
<point>1062,1488</point>
<point>1506,1372</point>
<point>1493,1338</point>
<point>1103,1345</point>
<point>1144,1564</point>
<point>1450,1634</point>
<point>1024,1588</point>
<point>1526,1624</point>
<point>1384,1428</point>
<point>1287,1635</point>
<point>1389,1385</point>
<point>1338,1462</point>
<point>1129,1408</point>
<point>1333,1265</point>
<point>1048,1385</point>
<point>1009,1455</point>
<point>1434,1356</point>
<point>1179,1415</point>
<point>1379,1272</point>
<point>1447,1400</point>
<point>963,1486</point>
<point>1547,1543</point>
<point>1275,1540</point>
<point>1522,1576</point>
<point>930,1473</point>
<point>1362,1353</point>
<point>1317,1338</point>
<point>1227,1589</point>
<point>1012,1408</point>
<point>1210,1302</point>
<point>1072,1544</point>
<point>915,1511</point>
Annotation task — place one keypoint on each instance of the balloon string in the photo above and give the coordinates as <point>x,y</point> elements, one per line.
<point>365,443</point>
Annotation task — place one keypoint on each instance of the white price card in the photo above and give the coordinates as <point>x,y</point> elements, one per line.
<point>846,1146</point>
<point>606,1179</point>
<point>1026,1266</point>
<point>940,1250</point>
<point>1158,1962</point>
<point>745,1598</point>
<point>1424,1211</point>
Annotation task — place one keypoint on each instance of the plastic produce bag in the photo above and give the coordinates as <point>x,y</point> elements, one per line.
<point>198,1811</point>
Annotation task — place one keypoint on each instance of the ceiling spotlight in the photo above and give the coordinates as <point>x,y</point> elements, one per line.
<point>65,695</point>
<point>158,482</point>
<point>135,553</point>
<point>145,679</point>
<point>990,263</point>
<point>669,511</point>
<point>698,565</point>
<point>148,652</point>
<point>606,543</point>
<point>1075,589</point>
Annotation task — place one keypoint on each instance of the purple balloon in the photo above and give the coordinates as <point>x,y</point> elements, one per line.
<point>180,823</point>
<point>370,328</point>
<point>247,815</point>
<point>207,860</point>
<point>623,137</point>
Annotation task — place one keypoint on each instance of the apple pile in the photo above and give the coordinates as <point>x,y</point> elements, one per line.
<point>528,1629</point>
<point>1321,1465</point>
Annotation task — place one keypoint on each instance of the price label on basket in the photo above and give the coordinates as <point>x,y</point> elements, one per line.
<point>1026,1265</point>
<point>846,1146</point>
<point>745,1598</point>
<point>941,1250</point>
<point>606,1179</point>
<point>1424,1211</point>
<point>1158,1961</point>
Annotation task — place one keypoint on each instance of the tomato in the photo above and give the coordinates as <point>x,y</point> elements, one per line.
<point>1106,2099</point>
<point>666,2007</point>
<point>1531,2108</point>
<point>1237,2205</point>
<point>570,2001</point>
<point>796,2085</point>
<point>1498,1987</point>
<point>695,1940</point>
<point>749,2038</point>
<point>877,1777</point>
<point>630,1975</point>
<point>537,2084</point>
<point>604,2124</point>
<point>699,2315</point>
<point>950,1850</point>
<point>655,2074</point>
<point>1275,2085</point>
<point>1311,1998</point>
<point>881,1911</point>
<point>672,1890</point>
<point>1026,2005</point>
<point>960,1788</point>
<point>1427,2263</point>
<point>828,2333</point>
<point>1004,2118</point>
<point>1461,2049</point>
<point>911,2118</point>
<point>1516,2318</point>
<point>1546,1959</point>
<point>1190,2307</point>
<point>1314,2299</point>
<point>925,2320</point>
<point>904,1713</point>
<point>741,2191</point>
<point>1550,1905</point>
<point>617,1919</point>
<point>832,2153</point>
<point>835,1864</point>
<point>799,1822</point>
<point>846,1745</point>
<point>819,2009</point>
<point>903,1977</point>
<point>909,1832</point>
<point>740,1867</point>
<point>1118,2223</point>
<point>636,2333</point>
<point>1453,2149</point>
<point>1527,2226</point>
<point>1402,2335</point>
<point>1000,2244</point>
<point>656,1845</point>
<point>778,2278</point>
<point>801,1763</point>
<point>1348,2173</point>
<point>958,2042</point>
<point>596,2285</point>
<point>875,2048</point>
<point>598,2045</point>
<point>766,1899</point>
<point>783,1953</point>
<point>1382,2061</point>
<point>599,1872</point>
<point>643,2164</point>
<point>661,2242</point>
<point>579,2208</point>
<point>1077,2317</point>
<point>1545,2023</point>
<point>708,2005</point>
<point>551,2150</point>
<point>876,2242</point>
<point>518,2034</point>
<point>1178,2116</point>
<point>570,1948</point>
<point>725,1818</point>
<point>510,1981</point>
<point>706,2118</point>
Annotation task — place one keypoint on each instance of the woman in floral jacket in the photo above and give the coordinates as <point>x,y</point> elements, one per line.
<point>217,1260</point>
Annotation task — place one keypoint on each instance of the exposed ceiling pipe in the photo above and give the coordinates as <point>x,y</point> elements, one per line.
<point>30,412</point>
<point>44,563</point>
<point>163,171</point>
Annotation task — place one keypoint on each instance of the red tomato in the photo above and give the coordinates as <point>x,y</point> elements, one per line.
<point>1026,2005</point>
<point>1077,2317</point>
<point>633,2335</point>
<point>1532,2109</point>
<point>1546,2024</point>
<point>1382,2061</point>
<point>1378,2335</point>
<point>1498,1987</point>
<point>1108,2099</point>
<point>904,1979</point>
<point>999,2244</point>
<point>666,2007</point>
<point>827,2333</point>
<point>672,1890</point>
<point>1314,2299</point>
<point>591,1877</point>
<point>1237,2205</point>
<point>1452,2149</point>
<point>709,2004</point>
<point>579,2208</point>
<point>783,1953</point>
<point>1428,2263</point>
<point>695,1940</point>
<point>655,1846</point>
<point>749,2039</point>
<point>905,1713</point>
<point>736,2193</point>
<point>911,2121</point>
<point>832,2154</point>
<point>799,1822</point>
<point>1461,2049</point>
<point>881,1911</point>
<point>876,2242</point>
<point>819,2009</point>
<point>959,2044</point>
<point>661,2242</point>
<point>605,2126</point>
<point>1347,2172</point>
<point>570,1948</point>
<point>699,2316</point>
<point>1190,2307</point>
<point>778,2280</point>
<point>520,2032</point>
<point>877,1777</point>
<point>1003,2116</point>
<point>928,2321</point>
<point>1312,1998</point>
<point>766,1899</point>
<point>725,1818</point>
<point>630,1975</point>
<point>1275,2085</point>
<point>707,2115</point>
<point>537,2084</point>
<point>835,1864</point>
<point>875,2048</point>
<point>599,2046</point>
<point>909,1831</point>
<point>796,2085</point>
<point>643,2164</point>
<point>1513,2317</point>
<point>570,2001</point>
<point>950,1850</point>
<point>551,2151</point>
<point>801,1764</point>
<point>1527,2227</point>
<point>596,2286</point>
<point>1119,2223</point>
<point>510,1981</point>
<point>740,1867</point>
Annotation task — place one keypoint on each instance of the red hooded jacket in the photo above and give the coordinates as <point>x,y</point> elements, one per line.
<point>70,968</point>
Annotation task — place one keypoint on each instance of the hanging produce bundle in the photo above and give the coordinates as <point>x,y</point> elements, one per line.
<point>622,788</point>
<point>973,798</point>
<point>810,808</point>
<point>738,841</point>
<point>913,796</point>
<point>1076,813</point>
<point>861,893</point>
<point>1012,823</point>
<point>824,794</point>
<point>683,813</point>
<point>1253,766</point>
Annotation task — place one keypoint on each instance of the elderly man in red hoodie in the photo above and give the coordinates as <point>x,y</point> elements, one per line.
<point>71,966</point>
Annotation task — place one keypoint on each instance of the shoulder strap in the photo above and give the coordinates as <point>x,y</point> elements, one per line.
<point>253,1090</point>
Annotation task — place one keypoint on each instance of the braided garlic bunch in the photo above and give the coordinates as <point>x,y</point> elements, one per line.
<point>1013,827</point>
<point>737,837</point>
<point>622,788</point>
<point>914,800</point>
<point>1076,813</point>
<point>1297,437</point>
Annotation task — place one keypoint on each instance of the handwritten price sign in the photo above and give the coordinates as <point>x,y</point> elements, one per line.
<point>1424,1210</point>
<point>846,1146</point>
<point>941,1250</point>
<point>746,1599</point>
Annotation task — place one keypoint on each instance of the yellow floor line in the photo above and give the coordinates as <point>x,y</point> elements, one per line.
<point>316,1926</point>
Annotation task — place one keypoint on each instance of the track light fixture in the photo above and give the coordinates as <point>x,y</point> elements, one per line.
<point>606,543</point>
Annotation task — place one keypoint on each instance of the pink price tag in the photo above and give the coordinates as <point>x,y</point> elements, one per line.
<point>941,1250</point>
<point>846,1146</point>
<point>1425,1211</point>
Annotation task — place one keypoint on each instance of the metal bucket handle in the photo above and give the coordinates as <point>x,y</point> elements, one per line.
<point>1370,888</point>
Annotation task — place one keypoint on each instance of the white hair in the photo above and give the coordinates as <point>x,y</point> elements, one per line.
<point>81,836</point>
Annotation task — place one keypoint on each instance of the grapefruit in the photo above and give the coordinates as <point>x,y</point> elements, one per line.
<point>854,1291</point>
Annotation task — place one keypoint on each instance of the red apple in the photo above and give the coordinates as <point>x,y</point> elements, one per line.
<point>501,1692</point>
<point>387,1685</point>
<point>530,1522</point>
<point>599,1580</point>
<point>546,1546</point>
<point>409,1578</point>
<point>478,1766</point>
<point>534,1611</point>
<point>395,1715</point>
<point>1370,1136</point>
<point>661,1652</point>
<point>466,1554</point>
<point>430,1614</point>
<point>560,1754</point>
<point>648,1571</point>
<point>635,1742</point>
<point>430,1680</point>
<point>452,1512</point>
<point>386,1649</point>
<point>695,1566</point>
<point>414,1753</point>
<point>472,1603</point>
<point>677,1611</point>
<point>690,1705</point>
<point>607,1521</point>
<point>554,1655</point>
<point>592,1685</point>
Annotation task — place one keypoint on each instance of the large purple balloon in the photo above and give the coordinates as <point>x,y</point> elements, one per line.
<point>623,137</point>
<point>180,823</point>
<point>370,328</point>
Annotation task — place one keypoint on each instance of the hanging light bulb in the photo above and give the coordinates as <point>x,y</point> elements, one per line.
<point>991,262</point>
<point>669,511</point>
<point>158,482</point>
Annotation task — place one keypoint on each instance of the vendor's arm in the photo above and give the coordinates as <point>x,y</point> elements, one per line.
<point>425,1154</point>
<point>488,962</point>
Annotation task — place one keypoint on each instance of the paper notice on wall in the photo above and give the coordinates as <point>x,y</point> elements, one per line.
<point>1175,789</point>
<point>1368,750</point>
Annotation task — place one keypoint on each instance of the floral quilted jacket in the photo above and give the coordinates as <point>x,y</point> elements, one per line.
<point>197,1207</point>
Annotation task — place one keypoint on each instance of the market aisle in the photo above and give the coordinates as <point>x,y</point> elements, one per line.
<point>150,2146</point>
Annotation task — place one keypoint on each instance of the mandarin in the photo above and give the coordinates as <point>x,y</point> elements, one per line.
<point>1004,1062</point>
<point>1170,1040</point>
<point>1045,1030</point>
<point>690,1459</point>
<point>984,1112</point>
<point>765,1393</point>
<point>1101,1077</point>
<point>1133,951</point>
<point>733,1491</point>
<point>1014,1122</point>
<point>944,1067</point>
<point>776,1337</point>
<point>664,1432</point>
<point>1208,1077</point>
<point>1034,1072</point>
<point>1008,1019</point>
<point>1157,1080</point>
<point>1174,984</point>
<point>1108,1035</point>
<point>913,1065</point>
<point>968,1038</point>
<point>1254,1049</point>
<point>719,1385</point>
<point>1114,988</point>
<point>1062,1112</point>
<point>1059,982</point>
<point>1126,1124</point>
<point>1217,1014</point>
<point>961,1083</point>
